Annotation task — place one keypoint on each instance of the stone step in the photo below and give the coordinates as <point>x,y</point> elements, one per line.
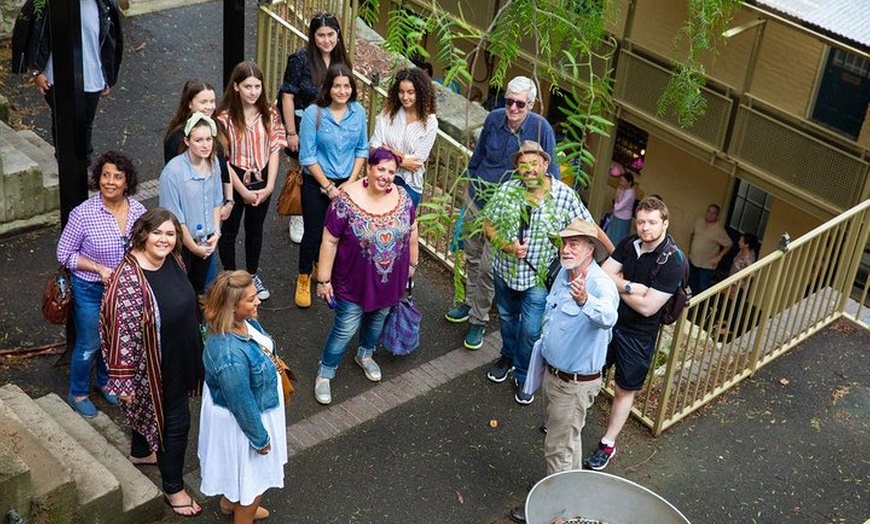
<point>16,488</point>
<point>141,500</point>
<point>54,490</point>
<point>99,494</point>
<point>21,190</point>
<point>43,154</point>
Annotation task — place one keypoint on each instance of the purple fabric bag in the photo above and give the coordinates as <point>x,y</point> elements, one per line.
<point>401,334</point>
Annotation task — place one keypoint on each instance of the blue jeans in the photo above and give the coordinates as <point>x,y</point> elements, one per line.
<point>86,315</point>
<point>520,315</point>
<point>415,196</point>
<point>348,318</point>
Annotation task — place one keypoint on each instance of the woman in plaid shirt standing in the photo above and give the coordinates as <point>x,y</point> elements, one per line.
<point>91,246</point>
<point>255,135</point>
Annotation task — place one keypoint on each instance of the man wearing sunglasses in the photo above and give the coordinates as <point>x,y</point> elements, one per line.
<point>503,131</point>
<point>641,299</point>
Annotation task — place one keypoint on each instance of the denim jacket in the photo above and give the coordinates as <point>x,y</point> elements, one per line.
<point>242,379</point>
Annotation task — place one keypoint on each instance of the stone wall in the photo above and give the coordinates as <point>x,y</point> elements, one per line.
<point>8,11</point>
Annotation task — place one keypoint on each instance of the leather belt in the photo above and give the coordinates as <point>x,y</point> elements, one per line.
<point>573,377</point>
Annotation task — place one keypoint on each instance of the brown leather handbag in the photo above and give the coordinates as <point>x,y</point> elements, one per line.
<point>57,297</point>
<point>290,200</point>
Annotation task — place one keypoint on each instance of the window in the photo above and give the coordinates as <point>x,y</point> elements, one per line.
<point>844,93</point>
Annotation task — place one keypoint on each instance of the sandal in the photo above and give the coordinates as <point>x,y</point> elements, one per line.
<point>228,508</point>
<point>176,507</point>
<point>142,461</point>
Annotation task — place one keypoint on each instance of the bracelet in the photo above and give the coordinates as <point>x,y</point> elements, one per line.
<point>94,267</point>
<point>291,133</point>
<point>327,189</point>
<point>414,264</point>
<point>323,282</point>
<point>229,201</point>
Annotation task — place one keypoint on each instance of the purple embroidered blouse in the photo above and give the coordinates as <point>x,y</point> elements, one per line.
<point>92,231</point>
<point>373,256</point>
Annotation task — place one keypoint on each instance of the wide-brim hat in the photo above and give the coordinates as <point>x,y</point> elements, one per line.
<point>529,146</point>
<point>582,228</point>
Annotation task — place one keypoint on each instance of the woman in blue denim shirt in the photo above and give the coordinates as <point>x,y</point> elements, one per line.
<point>242,436</point>
<point>332,150</point>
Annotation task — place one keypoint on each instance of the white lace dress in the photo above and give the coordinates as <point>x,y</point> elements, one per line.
<point>229,465</point>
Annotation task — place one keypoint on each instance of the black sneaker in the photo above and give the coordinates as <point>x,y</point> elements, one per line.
<point>499,371</point>
<point>520,396</point>
<point>599,458</point>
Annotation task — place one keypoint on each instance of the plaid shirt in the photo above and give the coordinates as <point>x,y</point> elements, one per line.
<point>505,212</point>
<point>92,232</point>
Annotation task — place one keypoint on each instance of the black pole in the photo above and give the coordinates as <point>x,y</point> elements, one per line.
<point>69,108</point>
<point>234,36</point>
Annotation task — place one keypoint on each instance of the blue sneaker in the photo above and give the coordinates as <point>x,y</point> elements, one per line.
<point>474,337</point>
<point>85,407</point>
<point>599,458</point>
<point>458,314</point>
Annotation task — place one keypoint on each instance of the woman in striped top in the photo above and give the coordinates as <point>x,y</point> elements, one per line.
<point>256,136</point>
<point>407,126</point>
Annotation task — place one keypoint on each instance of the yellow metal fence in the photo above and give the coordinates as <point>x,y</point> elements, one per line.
<point>724,335</point>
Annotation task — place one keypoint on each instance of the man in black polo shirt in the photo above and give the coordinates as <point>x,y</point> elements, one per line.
<point>634,335</point>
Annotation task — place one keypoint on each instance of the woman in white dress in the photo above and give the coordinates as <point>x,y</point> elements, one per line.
<point>242,439</point>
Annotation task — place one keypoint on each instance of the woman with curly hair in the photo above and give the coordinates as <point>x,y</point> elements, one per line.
<point>91,246</point>
<point>407,126</point>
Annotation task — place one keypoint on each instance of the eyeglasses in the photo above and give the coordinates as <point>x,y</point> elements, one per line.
<point>511,102</point>
<point>125,241</point>
<point>322,17</point>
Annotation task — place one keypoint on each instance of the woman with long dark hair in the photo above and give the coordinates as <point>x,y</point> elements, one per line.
<point>332,152</point>
<point>255,136</point>
<point>303,78</point>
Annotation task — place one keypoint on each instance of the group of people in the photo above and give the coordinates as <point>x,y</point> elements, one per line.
<point>159,321</point>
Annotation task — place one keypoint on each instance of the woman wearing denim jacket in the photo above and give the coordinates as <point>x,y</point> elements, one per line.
<point>242,438</point>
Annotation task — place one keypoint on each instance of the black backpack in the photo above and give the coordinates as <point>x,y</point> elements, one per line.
<point>670,312</point>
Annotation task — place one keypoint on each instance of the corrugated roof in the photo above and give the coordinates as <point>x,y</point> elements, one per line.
<point>847,18</point>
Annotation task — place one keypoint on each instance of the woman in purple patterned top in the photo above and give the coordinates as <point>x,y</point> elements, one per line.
<point>368,254</point>
<point>91,246</point>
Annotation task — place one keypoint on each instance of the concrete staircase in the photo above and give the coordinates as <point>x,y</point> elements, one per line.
<point>29,189</point>
<point>56,467</point>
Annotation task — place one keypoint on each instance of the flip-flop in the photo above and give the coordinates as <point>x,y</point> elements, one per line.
<point>132,461</point>
<point>182,506</point>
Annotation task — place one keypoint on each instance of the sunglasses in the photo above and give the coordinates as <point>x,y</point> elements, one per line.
<point>511,102</point>
<point>323,17</point>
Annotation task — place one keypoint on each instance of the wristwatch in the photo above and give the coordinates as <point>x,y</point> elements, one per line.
<point>35,74</point>
<point>627,288</point>
<point>229,201</point>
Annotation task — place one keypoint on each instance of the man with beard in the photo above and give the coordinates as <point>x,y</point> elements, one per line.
<point>634,335</point>
<point>517,219</point>
<point>580,312</point>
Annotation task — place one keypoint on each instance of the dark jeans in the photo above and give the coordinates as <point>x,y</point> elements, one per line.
<point>84,128</point>
<point>197,269</point>
<point>170,456</point>
<point>700,278</point>
<point>314,206</point>
<point>255,217</point>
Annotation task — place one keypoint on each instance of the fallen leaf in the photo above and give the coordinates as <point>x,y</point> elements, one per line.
<point>783,381</point>
<point>460,497</point>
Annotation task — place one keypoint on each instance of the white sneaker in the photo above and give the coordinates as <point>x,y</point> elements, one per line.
<point>322,393</point>
<point>262,292</point>
<point>297,227</point>
<point>370,368</point>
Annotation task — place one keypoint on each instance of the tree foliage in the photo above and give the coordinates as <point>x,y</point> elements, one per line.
<point>706,20</point>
